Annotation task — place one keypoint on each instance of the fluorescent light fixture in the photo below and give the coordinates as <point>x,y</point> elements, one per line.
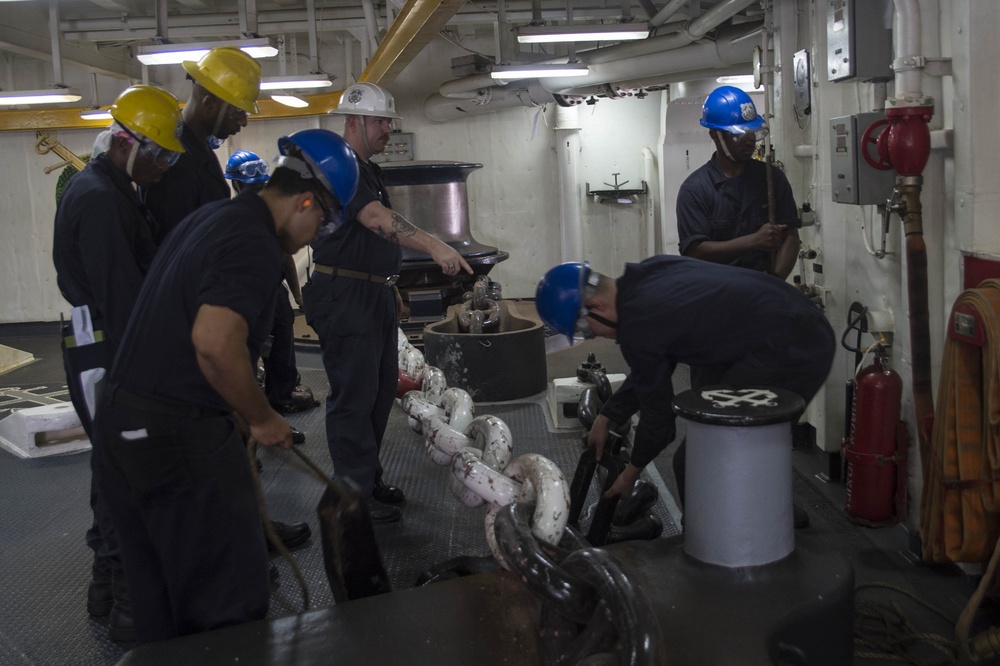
<point>603,32</point>
<point>288,99</point>
<point>736,80</point>
<point>512,72</point>
<point>290,82</point>
<point>96,113</point>
<point>172,54</point>
<point>47,96</point>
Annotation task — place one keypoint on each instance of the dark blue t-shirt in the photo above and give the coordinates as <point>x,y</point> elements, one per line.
<point>225,254</point>
<point>195,180</point>
<point>354,246</point>
<point>712,207</point>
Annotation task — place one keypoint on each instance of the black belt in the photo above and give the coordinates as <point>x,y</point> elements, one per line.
<point>122,397</point>
<point>357,275</point>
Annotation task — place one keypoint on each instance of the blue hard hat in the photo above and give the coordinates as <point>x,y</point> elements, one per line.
<point>247,167</point>
<point>559,296</point>
<point>731,110</point>
<point>329,157</point>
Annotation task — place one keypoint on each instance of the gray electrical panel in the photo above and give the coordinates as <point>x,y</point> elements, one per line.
<point>854,181</point>
<point>398,149</point>
<point>859,40</point>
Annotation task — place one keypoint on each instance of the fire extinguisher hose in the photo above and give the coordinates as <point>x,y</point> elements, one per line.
<point>960,505</point>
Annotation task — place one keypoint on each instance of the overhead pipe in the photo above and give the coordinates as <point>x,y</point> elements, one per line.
<point>469,87</point>
<point>567,131</point>
<point>371,23</point>
<point>313,37</point>
<point>247,11</point>
<point>651,67</point>
<point>668,10</point>
<point>649,8</point>
<point>712,55</point>
<point>718,53</point>
<point>56,46</point>
<point>439,108</point>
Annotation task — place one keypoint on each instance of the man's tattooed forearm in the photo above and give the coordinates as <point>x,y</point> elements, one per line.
<point>400,227</point>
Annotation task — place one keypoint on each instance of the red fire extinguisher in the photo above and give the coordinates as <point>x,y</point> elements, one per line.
<point>875,447</point>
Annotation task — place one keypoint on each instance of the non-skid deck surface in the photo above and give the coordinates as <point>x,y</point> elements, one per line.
<point>45,512</point>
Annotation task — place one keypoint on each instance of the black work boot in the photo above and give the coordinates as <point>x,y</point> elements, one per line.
<point>99,596</point>
<point>120,628</point>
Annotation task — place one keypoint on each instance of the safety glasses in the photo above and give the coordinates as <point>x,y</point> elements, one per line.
<point>236,114</point>
<point>748,137</point>
<point>154,152</point>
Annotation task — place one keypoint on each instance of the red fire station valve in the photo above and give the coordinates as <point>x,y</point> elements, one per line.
<point>880,160</point>
<point>906,145</point>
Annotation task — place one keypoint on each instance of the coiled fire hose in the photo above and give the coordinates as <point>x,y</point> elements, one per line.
<point>960,506</point>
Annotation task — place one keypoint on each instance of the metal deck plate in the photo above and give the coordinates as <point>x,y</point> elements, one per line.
<point>44,504</point>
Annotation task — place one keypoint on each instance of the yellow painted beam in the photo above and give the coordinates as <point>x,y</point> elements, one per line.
<point>415,26</point>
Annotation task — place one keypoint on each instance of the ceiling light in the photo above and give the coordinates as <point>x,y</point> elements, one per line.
<point>172,54</point>
<point>288,99</point>
<point>48,96</point>
<point>603,32</point>
<point>289,82</point>
<point>737,80</point>
<point>511,72</point>
<point>96,113</point>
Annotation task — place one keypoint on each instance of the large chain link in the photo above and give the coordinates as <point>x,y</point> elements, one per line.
<point>590,606</point>
<point>526,524</point>
<point>480,311</point>
<point>479,451</point>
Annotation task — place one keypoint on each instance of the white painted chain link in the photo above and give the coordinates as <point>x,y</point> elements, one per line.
<point>479,451</point>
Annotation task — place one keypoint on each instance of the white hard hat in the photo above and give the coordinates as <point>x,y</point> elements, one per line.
<point>366,99</point>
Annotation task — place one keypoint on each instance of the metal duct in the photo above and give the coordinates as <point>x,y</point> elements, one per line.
<point>524,93</point>
<point>655,61</point>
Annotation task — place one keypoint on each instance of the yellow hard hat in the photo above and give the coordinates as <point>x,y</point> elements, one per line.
<point>229,74</point>
<point>152,112</point>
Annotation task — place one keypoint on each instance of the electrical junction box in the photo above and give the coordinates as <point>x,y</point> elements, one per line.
<point>398,149</point>
<point>854,181</point>
<point>564,397</point>
<point>859,40</point>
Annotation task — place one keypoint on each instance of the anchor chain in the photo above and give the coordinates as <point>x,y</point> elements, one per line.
<point>479,451</point>
<point>526,524</point>
<point>591,608</point>
<point>480,311</point>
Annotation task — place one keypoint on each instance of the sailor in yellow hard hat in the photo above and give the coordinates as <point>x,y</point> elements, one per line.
<point>224,90</point>
<point>102,248</point>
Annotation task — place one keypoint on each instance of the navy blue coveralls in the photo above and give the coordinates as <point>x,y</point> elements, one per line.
<point>749,327</point>
<point>712,207</point>
<point>355,320</point>
<point>102,247</point>
<point>174,470</point>
<point>195,180</point>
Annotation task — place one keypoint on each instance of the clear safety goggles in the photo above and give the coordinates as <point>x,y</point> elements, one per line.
<point>154,152</point>
<point>253,169</point>
<point>582,330</point>
<point>755,136</point>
